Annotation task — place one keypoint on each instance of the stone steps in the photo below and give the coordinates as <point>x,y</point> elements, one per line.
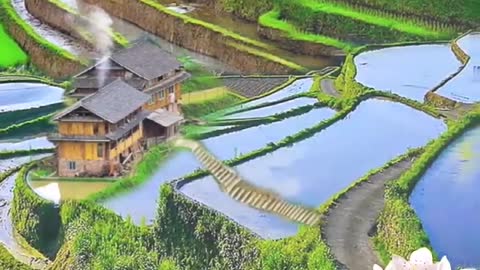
<point>240,190</point>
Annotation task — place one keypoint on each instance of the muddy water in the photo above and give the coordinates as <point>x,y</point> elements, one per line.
<point>67,190</point>
<point>409,71</point>
<point>249,29</point>
<point>7,236</point>
<point>30,144</point>
<point>313,170</point>
<point>447,202</point>
<point>21,96</point>
<point>274,109</point>
<point>133,33</point>
<point>465,87</point>
<point>50,34</point>
<point>140,202</point>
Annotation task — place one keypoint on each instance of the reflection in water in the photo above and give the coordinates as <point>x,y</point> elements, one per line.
<point>447,202</point>
<point>21,96</point>
<point>36,143</point>
<point>67,190</point>
<point>140,202</point>
<point>406,71</point>
<point>465,87</point>
<point>313,170</point>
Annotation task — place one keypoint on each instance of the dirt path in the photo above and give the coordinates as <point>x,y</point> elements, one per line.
<point>348,223</point>
<point>328,87</point>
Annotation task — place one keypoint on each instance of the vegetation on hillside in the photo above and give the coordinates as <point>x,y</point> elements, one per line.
<point>11,54</point>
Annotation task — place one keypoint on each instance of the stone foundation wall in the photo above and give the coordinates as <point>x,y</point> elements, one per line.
<point>83,167</point>
<point>298,46</point>
<point>193,35</point>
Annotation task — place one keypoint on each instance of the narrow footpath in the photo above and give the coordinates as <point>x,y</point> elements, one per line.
<point>328,87</point>
<point>349,222</point>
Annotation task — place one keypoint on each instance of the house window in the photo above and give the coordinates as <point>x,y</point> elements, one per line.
<point>100,150</point>
<point>170,89</point>
<point>95,129</point>
<point>72,165</point>
<point>161,94</point>
<point>152,100</point>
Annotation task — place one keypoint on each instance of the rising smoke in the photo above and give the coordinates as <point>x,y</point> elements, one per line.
<point>98,25</point>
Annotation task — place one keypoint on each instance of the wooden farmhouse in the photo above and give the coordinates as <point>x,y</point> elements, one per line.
<point>144,66</point>
<point>102,132</point>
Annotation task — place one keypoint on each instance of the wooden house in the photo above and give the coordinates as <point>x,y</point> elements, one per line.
<point>102,131</point>
<point>144,66</point>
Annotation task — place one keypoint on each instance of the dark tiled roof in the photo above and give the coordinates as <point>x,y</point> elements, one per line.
<point>146,60</point>
<point>122,130</point>
<point>111,103</point>
<point>69,138</point>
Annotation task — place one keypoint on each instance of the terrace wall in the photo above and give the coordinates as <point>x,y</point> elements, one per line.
<point>198,237</point>
<point>52,62</point>
<point>193,36</point>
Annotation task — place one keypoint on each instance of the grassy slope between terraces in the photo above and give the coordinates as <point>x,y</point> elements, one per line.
<point>10,53</point>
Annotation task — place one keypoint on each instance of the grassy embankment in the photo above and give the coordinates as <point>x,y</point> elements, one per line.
<point>10,53</point>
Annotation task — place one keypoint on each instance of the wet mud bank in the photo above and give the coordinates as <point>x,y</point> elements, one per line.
<point>53,63</point>
<point>197,37</point>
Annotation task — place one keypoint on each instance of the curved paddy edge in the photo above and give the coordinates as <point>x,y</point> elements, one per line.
<point>399,230</point>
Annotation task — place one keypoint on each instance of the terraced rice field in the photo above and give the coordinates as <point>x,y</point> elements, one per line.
<point>407,71</point>
<point>446,200</point>
<point>313,170</point>
<point>11,54</point>
<point>273,109</point>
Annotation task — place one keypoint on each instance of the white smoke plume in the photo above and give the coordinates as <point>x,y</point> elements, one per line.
<point>99,27</point>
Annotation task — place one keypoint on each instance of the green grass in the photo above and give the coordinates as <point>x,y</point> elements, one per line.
<point>10,53</point>
<point>7,261</point>
<point>272,20</point>
<point>201,78</point>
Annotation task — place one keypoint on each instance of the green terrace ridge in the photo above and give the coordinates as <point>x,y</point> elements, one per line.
<point>383,21</point>
<point>272,20</point>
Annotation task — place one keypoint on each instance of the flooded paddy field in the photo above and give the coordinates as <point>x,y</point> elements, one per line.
<point>253,87</point>
<point>29,144</point>
<point>21,96</point>
<point>67,190</point>
<point>446,201</point>
<point>140,202</point>
<point>7,236</point>
<point>409,71</point>
<point>465,87</point>
<point>49,33</point>
<point>274,109</point>
<point>313,170</point>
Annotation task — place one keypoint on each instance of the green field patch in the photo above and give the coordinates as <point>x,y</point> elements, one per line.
<point>10,52</point>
